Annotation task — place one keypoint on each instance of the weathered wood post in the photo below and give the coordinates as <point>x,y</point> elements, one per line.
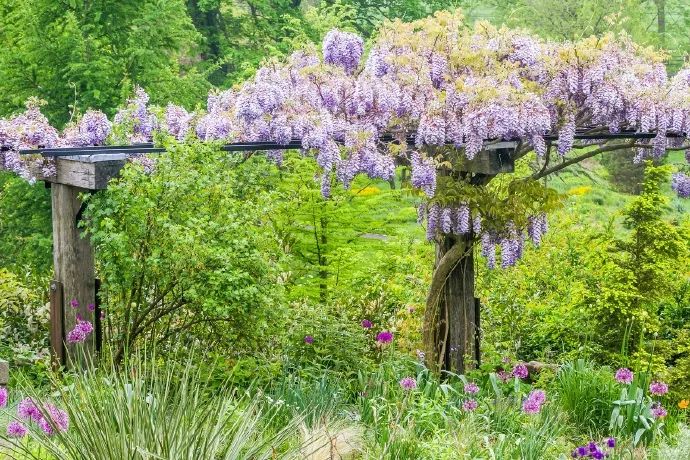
<point>73,291</point>
<point>451,326</point>
<point>4,373</point>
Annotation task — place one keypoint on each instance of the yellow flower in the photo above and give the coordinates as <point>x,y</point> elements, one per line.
<point>683,404</point>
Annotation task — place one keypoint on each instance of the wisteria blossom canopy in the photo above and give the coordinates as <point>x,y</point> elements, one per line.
<point>436,80</point>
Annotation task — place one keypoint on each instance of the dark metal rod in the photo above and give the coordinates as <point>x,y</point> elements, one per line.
<point>295,144</point>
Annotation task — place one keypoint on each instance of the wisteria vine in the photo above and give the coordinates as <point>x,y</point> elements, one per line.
<point>436,80</point>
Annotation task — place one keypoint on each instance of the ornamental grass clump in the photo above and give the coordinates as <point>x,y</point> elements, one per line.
<point>148,409</point>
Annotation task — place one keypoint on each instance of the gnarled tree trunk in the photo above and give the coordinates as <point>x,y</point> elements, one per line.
<point>449,321</point>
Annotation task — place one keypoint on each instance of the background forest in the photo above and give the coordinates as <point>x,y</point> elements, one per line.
<point>262,261</point>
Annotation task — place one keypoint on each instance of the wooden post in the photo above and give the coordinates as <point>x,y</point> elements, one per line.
<point>57,329</point>
<point>73,258</point>
<point>4,373</point>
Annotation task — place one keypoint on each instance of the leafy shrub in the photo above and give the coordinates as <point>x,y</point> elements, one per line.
<point>181,254</point>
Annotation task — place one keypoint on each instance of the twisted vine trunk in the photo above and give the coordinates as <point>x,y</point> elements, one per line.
<point>449,321</point>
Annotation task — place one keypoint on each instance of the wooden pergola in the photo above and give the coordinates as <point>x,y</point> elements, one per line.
<point>89,169</point>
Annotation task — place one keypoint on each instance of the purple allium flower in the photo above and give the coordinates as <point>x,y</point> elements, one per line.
<point>598,454</point>
<point>624,375</point>
<point>16,429</point>
<point>3,396</point>
<point>308,339</point>
<point>658,410</point>
<point>532,404</point>
<point>384,337</point>
<point>538,395</point>
<point>471,388</point>
<point>56,419</point>
<point>74,303</point>
<point>504,376</point>
<point>469,405</point>
<point>520,371</point>
<point>80,332</point>
<point>582,451</point>
<point>658,388</point>
<point>27,410</point>
<point>421,356</point>
<point>611,442</point>
<point>408,383</point>
<point>366,324</point>
<point>91,307</point>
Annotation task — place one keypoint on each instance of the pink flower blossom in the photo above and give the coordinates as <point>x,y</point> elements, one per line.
<point>57,419</point>
<point>471,388</point>
<point>470,405</point>
<point>384,337</point>
<point>624,375</point>
<point>408,383</point>
<point>658,388</point>
<point>658,410</point>
<point>16,429</point>
<point>520,371</point>
<point>27,410</point>
<point>3,396</point>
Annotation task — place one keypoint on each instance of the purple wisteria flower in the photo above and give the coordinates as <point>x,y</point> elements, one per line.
<point>28,410</point>
<point>16,429</point>
<point>624,376</point>
<point>680,183</point>
<point>658,388</point>
<point>384,337</point>
<point>470,405</point>
<point>366,324</point>
<point>343,49</point>
<point>3,397</point>
<point>471,388</point>
<point>57,419</point>
<point>658,410</point>
<point>408,383</point>
<point>308,339</point>
<point>520,371</point>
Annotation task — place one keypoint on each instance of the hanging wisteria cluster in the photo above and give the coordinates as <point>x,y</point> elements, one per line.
<point>437,80</point>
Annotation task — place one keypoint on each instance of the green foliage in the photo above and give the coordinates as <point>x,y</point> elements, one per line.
<point>83,54</point>
<point>180,252</point>
<point>23,325</point>
<point>25,228</point>
<point>585,393</point>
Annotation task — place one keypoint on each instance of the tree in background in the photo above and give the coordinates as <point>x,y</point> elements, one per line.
<point>81,54</point>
